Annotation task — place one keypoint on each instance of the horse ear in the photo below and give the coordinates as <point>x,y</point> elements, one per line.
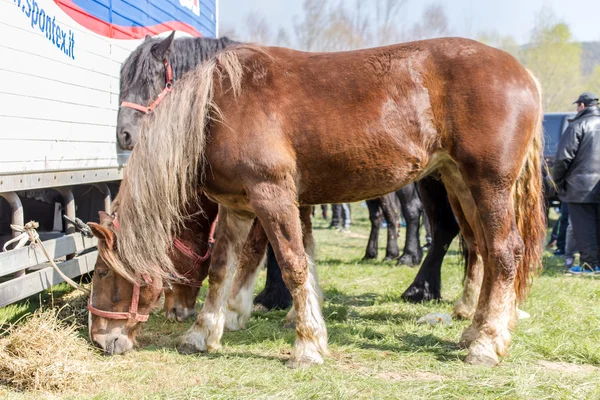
<point>161,50</point>
<point>102,233</point>
<point>105,218</point>
<point>147,38</point>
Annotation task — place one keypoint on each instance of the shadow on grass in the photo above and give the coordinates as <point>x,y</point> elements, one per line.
<point>346,327</point>
<point>368,339</point>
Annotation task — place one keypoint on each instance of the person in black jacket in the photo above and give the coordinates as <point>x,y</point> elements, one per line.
<point>577,175</point>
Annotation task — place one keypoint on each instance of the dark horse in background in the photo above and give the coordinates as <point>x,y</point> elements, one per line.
<point>406,201</point>
<point>254,128</point>
<point>147,74</point>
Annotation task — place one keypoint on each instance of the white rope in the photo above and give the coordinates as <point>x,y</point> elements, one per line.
<point>29,234</point>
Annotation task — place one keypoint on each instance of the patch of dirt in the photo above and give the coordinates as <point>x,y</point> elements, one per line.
<point>410,376</point>
<point>567,367</point>
<point>347,363</point>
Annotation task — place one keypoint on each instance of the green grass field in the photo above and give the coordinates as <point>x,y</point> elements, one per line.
<point>377,348</point>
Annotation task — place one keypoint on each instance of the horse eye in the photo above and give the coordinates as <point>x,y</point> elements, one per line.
<point>102,273</point>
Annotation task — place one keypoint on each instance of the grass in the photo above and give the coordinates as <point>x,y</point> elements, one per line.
<point>377,348</point>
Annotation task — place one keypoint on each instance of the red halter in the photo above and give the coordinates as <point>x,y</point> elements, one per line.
<point>131,315</point>
<point>198,260</point>
<point>135,297</point>
<point>161,96</point>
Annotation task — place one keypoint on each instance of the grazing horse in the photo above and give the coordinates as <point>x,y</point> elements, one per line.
<point>113,322</point>
<point>264,130</point>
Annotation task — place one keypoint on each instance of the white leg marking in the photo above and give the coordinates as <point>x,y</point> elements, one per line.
<point>311,341</point>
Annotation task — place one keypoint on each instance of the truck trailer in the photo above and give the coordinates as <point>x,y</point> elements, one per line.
<point>59,98</point>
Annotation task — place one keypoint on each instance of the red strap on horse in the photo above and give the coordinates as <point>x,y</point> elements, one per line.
<point>161,96</point>
<point>131,315</point>
<point>198,260</point>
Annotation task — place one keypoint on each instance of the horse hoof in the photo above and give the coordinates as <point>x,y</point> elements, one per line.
<point>259,308</point>
<point>187,348</point>
<point>480,354</point>
<point>289,325</point>
<point>463,311</point>
<point>409,261</point>
<point>192,342</point>
<point>304,362</point>
<point>389,258</point>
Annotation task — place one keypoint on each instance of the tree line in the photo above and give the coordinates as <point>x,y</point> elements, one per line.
<point>328,25</point>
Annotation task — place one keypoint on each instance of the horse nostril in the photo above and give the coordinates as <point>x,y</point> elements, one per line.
<point>126,137</point>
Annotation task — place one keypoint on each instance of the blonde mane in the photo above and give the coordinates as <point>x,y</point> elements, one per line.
<point>166,167</point>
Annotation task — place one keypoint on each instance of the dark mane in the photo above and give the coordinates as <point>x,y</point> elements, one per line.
<point>187,53</point>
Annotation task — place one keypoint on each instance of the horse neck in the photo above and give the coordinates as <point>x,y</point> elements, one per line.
<point>188,53</point>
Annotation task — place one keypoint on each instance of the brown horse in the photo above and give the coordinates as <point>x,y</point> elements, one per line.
<point>263,130</point>
<point>113,295</point>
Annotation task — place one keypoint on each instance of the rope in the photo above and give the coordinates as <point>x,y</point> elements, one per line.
<point>29,234</point>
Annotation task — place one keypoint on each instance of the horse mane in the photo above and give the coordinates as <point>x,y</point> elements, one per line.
<point>187,53</point>
<point>167,166</point>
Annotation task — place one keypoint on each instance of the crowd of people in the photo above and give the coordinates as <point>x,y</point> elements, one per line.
<point>576,173</point>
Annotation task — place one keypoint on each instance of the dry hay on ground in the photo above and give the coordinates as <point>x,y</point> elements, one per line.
<point>72,308</point>
<point>43,353</point>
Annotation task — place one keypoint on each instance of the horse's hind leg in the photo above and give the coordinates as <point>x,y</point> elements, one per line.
<point>411,209</point>
<point>275,205</point>
<point>466,305</point>
<point>239,305</point>
<point>205,334</point>
<point>489,211</point>
<point>427,283</point>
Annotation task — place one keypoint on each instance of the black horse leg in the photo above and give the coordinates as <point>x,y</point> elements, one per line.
<point>411,209</point>
<point>427,283</point>
<point>275,295</point>
<point>389,205</point>
<point>376,216</point>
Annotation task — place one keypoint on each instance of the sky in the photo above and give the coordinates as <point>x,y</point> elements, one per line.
<point>466,17</point>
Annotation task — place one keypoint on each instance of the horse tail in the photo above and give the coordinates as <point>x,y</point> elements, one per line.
<point>529,205</point>
<point>167,168</point>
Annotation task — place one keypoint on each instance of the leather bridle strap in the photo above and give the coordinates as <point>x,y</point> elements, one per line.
<point>131,315</point>
<point>161,95</point>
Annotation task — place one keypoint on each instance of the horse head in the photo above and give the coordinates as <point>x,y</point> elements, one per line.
<point>117,306</point>
<point>144,76</point>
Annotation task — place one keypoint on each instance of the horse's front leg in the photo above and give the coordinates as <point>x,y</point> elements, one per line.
<point>427,283</point>
<point>275,205</point>
<point>205,334</point>
<point>376,217</point>
<point>308,241</point>
<point>411,209</point>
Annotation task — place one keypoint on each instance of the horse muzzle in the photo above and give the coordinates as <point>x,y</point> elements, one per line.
<point>114,342</point>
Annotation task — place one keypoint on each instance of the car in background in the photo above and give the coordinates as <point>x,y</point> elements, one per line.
<point>554,126</point>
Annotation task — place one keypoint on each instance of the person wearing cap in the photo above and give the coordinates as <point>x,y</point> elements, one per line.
<point>577,174</point>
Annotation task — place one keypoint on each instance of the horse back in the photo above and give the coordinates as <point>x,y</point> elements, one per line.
<point>350,113</point>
